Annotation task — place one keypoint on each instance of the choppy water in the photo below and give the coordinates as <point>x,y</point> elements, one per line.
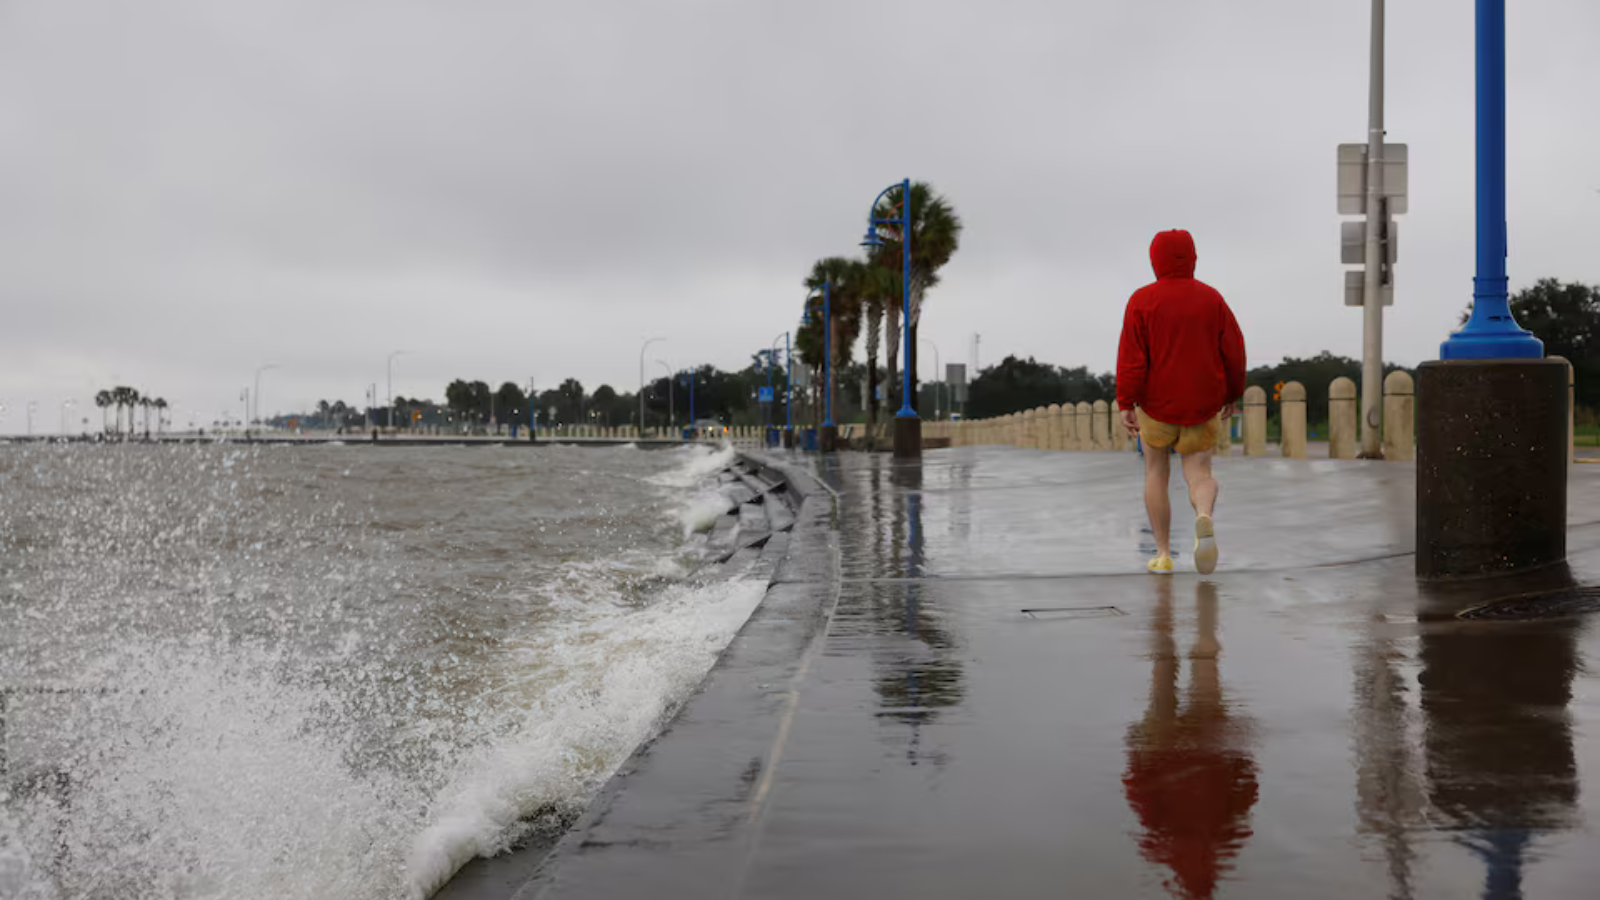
<point>331,672</point>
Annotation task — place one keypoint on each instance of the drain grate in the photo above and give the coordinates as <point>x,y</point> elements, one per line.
<point>1072,612</point>
<point>1573,601</point>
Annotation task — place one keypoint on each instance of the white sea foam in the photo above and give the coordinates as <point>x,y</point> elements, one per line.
<point>276,706</point>
<point>594,690</point>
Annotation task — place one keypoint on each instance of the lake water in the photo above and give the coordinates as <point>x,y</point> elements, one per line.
<point>332,671</point>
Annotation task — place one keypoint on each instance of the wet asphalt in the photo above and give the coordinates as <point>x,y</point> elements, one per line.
<point>963,684</point>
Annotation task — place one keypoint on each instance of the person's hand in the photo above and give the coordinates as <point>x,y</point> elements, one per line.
<point>1130,421</point>
<point>1229,410</point>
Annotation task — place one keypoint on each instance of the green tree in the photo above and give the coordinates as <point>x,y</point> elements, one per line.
<point>1015,385</point>
<point>935,237</point>
<point>510,404</point>
<point>1566,316</point>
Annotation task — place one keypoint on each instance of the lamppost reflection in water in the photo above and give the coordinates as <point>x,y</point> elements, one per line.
<point>1498,738</point>
<point>919,673</point>
<point>1191,778</point>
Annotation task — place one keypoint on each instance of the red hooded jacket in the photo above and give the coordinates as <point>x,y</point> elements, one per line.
<point>1182,356</point>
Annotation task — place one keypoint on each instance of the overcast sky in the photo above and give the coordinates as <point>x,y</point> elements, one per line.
<point>190,189</point>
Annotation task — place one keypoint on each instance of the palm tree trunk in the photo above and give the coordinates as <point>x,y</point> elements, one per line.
<point>872,379</point>
<point>891,331</point>
<point>911,370</point>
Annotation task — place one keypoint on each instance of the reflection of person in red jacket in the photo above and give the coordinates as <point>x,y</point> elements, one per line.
<point>1181,362</point>
<point>1190,779</point>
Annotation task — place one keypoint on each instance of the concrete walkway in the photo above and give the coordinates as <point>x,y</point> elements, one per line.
<point>963,685</point>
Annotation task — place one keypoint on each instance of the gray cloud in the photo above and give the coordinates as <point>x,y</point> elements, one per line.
<point>510,190</point>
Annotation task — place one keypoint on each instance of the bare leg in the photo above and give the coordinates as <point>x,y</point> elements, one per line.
<point>1202,484</point>
<point>1157,472</point>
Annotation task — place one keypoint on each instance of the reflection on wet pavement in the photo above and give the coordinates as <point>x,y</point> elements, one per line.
<point>1190,778</point>
<point>1306,722</point>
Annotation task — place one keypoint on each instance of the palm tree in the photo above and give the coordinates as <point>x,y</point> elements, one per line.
<point>880,294</point>
<point>935,237</point>
<point>160,403</point>
<point>144,403</point>
<point>102,399</point>
<point>808,347</point>
<point>844,280</point>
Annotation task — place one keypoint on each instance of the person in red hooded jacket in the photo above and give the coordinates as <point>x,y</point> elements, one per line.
<point>1180,364</point>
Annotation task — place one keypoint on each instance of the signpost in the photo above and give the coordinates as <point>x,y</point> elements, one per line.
<point>1372,183</point>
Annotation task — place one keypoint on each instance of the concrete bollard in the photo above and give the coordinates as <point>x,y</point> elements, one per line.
<point>1292,419</point>
<point>1119,435</point>
<point>1223,445</point>
<point>1041,428</point>
<point>1342,419</point>
<point>1083,427</point>
<point>1052,427</point>
<point>1255,421</point>
<point>1399,417</point>
<point>1030,428</point>
<point>1491,466</point>
<point>1068,427</point>
<point>1101,434</point>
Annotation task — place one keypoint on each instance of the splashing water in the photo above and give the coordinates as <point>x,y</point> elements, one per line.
<point>329,672</point>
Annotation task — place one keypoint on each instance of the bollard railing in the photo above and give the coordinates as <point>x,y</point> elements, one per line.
<point>1399,417</point>
<point>1101,435</point>
<point>1342,418</point>
<point>1292,419</point>
<point>1255,421</point>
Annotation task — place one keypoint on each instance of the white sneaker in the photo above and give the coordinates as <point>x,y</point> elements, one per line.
<point>1205,545</point>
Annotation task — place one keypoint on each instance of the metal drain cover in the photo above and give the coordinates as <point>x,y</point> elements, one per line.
<point>1072,612</point>
<point>1572,601</point>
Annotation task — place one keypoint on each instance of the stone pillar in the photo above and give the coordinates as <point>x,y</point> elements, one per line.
<point>1101,433</point>
<point>1030,428</point>
<point>1255,421</point>
<point>1399,417</point>
<point>1491,466</point>
<point>1342,417</point>
<point>1119,435</point>
<point>1068,427</point>
<point>1292,418</point>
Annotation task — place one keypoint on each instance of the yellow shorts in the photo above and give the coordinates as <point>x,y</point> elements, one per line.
<point>1188,438</point>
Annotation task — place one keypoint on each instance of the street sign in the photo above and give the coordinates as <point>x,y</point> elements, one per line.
<point>766,394</point>
<point>955,375</point>
<point>1355,287</point>
<point>1353,242</point>
<point>1353,178</point>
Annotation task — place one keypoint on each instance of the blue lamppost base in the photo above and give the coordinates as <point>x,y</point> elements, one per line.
<point>907,437</point>
<point>829,438</point>
<point>1491,466</point>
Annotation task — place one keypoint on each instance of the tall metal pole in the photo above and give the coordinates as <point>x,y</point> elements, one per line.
<point>938,368</point>
<point>906,412</point>
<point>788,386</point>
<point>642,349</point>
<point>1376,255</point>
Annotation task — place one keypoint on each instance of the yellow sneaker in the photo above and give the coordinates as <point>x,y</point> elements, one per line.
<point>1205,545</point>
<point>1161,565</point>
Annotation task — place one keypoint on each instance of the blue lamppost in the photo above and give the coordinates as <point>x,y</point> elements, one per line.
<point>1491,333</point>
<point>907,431</point>
<point>1493,416</point>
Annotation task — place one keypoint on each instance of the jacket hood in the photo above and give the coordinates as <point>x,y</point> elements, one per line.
<point>1172,254</point>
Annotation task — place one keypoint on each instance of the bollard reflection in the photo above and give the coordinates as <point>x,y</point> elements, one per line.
<point>1191,778</point>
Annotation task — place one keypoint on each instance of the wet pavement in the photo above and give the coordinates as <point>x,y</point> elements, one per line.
<point>962,684</point>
